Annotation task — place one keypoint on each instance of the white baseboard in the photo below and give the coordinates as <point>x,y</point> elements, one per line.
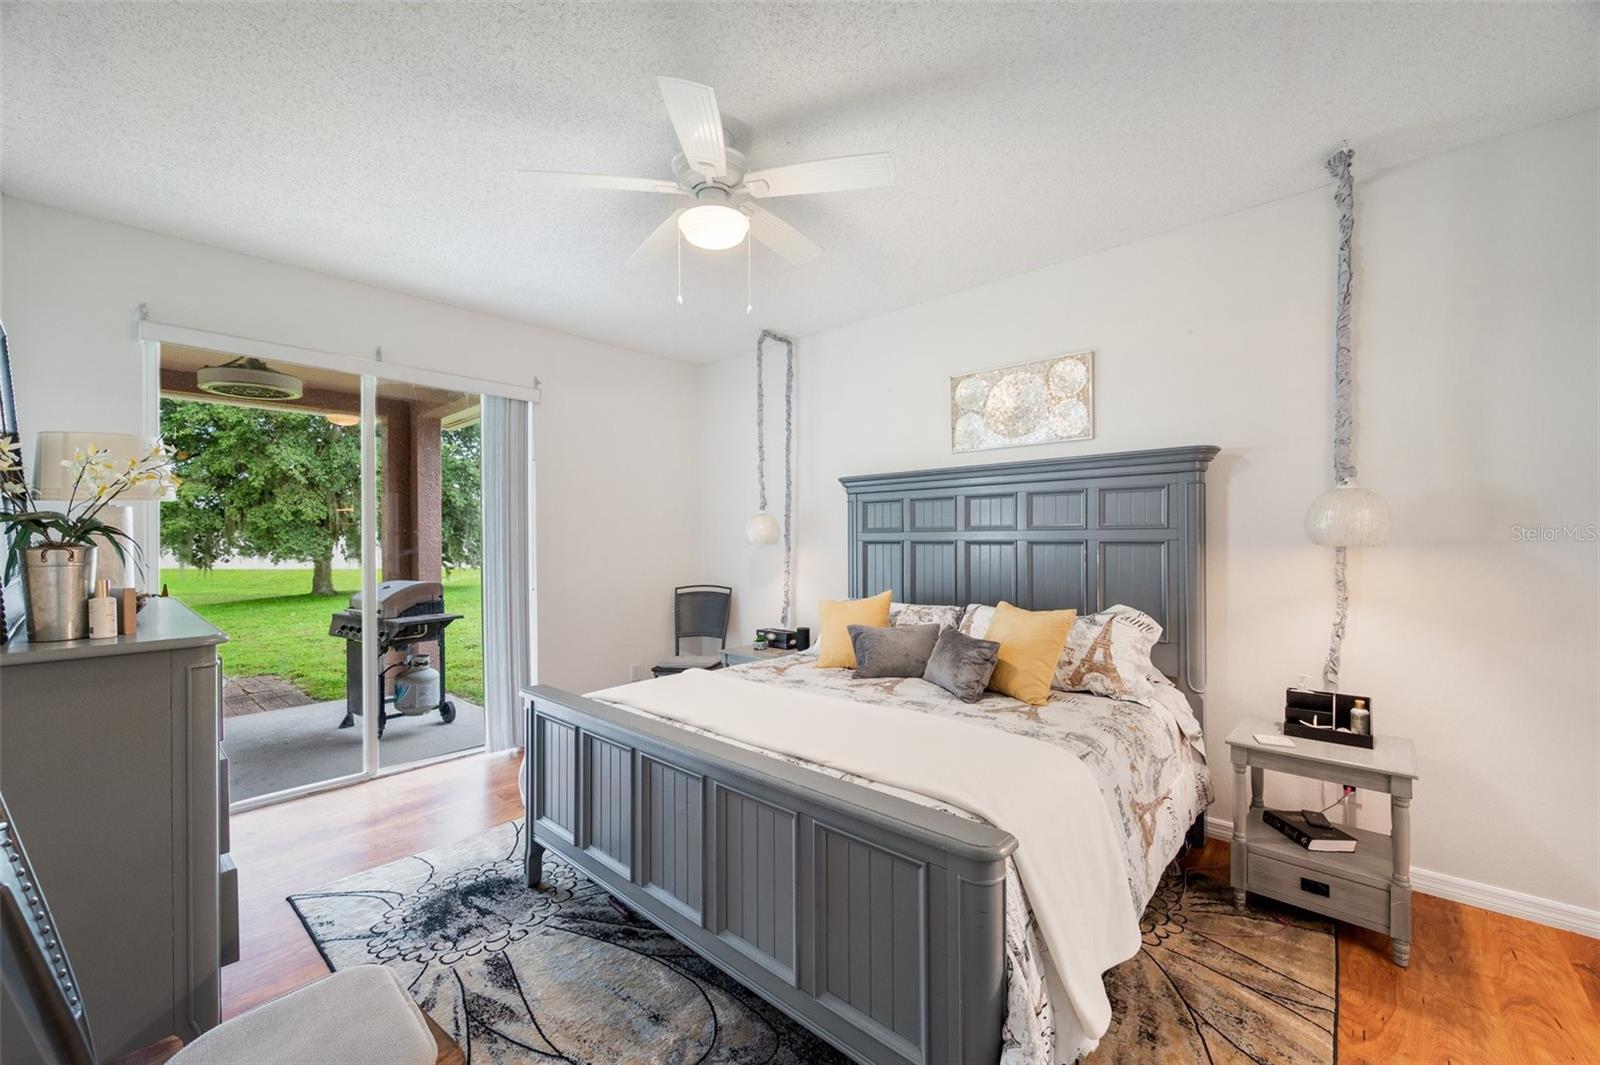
<point>1485,896</point>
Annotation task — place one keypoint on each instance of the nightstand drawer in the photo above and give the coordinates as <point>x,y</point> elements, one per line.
<point>1316,889</point>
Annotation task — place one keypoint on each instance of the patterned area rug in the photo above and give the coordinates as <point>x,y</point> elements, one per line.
<point>555,975</point>
<point>1215,986</point>
<point>563,975</point>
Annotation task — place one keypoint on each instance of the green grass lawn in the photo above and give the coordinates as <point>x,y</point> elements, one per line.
<point>276,626</point>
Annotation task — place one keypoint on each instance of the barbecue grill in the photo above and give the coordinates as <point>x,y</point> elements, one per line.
<point>409,613</point>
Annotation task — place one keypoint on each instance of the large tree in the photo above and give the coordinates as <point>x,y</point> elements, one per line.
<point>261,482</point>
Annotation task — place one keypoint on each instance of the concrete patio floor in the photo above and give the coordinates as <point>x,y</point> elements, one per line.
<point>271,750</point>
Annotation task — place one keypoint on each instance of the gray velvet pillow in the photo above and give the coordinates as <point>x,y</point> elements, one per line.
<point>892,651</point>
<point>962,665</point>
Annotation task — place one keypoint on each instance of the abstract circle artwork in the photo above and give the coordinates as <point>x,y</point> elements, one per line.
<point>1042,402</point>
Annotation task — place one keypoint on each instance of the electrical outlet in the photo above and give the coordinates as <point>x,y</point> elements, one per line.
<point>1333,792</point>
<point>636,671</point>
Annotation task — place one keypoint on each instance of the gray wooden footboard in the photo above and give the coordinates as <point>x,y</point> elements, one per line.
<point>876,922</point>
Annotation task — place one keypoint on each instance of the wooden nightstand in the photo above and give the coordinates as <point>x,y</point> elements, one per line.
<point>1370,886</point>
<point>738,656</point>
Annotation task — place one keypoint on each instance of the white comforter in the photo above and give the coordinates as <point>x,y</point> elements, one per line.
<point>1072,867</point>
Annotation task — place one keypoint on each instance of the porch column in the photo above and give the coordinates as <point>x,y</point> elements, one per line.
<point>398,498</point>
<point>427,493</point>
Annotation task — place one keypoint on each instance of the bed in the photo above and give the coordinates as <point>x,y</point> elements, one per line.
<point>873,906</point>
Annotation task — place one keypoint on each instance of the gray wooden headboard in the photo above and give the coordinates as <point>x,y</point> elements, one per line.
<point>1085,532</point>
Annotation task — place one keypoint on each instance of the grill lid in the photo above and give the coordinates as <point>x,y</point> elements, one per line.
<point>396,597</point>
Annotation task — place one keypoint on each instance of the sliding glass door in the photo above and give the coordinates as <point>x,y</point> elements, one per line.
<point>430,599</point>
<point>333,526</point>
<point>265,541</point>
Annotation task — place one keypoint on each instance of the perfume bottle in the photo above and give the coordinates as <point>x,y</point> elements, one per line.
<point>1361,718</point>
<point>102,613</point>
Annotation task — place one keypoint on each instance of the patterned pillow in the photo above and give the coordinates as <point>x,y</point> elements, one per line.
<point>975,620</point>
<point>946,617</point>
<point>1109,654</point>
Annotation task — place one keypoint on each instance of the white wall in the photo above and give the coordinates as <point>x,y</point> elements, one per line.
<point>1476,348</point>
<point>613,435</point>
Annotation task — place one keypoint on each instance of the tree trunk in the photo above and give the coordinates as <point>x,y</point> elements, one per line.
<point>322,577</point>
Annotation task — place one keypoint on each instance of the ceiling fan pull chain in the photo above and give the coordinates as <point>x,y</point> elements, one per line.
<point>749,291</point>
<point>680,266</point>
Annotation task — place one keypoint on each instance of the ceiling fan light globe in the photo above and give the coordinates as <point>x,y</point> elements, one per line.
<point>714,226</point>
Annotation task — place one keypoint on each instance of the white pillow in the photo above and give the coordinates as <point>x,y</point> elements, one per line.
<point>1108,654</point>
<point>946,617</point>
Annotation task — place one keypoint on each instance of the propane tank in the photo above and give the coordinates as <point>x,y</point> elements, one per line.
<point>416,690</point>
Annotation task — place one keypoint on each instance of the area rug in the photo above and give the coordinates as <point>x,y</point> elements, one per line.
<point>1211,985</point>
<point>564,975</point>
<point>535,976</point>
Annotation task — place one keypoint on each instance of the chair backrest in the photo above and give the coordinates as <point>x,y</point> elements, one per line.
<point>701,610</point>
<point>34,968</point>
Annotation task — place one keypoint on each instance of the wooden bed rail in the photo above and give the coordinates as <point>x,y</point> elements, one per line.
<point>876,922</point>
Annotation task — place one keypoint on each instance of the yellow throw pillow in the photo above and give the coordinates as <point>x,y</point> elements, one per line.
<point>834,649</point>
<point>1030,648</point>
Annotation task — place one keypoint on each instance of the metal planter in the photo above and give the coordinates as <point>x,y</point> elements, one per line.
<point>57,579</point>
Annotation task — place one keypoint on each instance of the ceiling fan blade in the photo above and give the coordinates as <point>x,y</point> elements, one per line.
<point>780,236</point>
<point>659,240</point>
<point>698,123</point>
<point>871,171</point>
<point>558,179</point>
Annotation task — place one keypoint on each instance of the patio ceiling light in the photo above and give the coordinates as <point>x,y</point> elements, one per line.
<point>249,379</point>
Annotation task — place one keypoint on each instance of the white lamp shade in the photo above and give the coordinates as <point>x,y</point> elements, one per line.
<point>713,226</point>
<point>1349,516</point>
<point>762,528</point>
<point>52,482</point>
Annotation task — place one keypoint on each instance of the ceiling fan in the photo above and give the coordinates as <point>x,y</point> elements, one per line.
<point>718,179</point>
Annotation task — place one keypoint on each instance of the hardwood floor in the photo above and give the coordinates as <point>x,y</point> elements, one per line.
<point>300,845</point>
<point>1481,988</point>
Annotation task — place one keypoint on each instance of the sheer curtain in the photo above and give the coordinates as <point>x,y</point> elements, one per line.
<point>507,566</point>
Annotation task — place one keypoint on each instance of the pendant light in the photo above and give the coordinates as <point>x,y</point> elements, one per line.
<point>763,528</point>
<point>1346,515</point>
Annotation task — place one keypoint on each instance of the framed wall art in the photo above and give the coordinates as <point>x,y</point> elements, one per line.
<point>1049,401</point>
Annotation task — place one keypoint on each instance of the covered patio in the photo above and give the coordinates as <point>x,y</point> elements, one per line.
<point>278,735</point>
<point>288,747</point>
<point>410,421</point>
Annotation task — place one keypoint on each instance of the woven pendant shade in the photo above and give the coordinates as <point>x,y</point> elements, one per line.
<point>1349,516</point>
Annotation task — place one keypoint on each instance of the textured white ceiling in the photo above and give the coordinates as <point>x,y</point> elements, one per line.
<point>377,142</point>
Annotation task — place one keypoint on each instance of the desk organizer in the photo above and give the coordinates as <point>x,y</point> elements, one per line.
<point>1304,711</point>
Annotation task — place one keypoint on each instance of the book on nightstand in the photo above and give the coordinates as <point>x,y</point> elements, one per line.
<point>1294,825</point>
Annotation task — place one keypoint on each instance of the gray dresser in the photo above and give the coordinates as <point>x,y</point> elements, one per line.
<point>110,763</point>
